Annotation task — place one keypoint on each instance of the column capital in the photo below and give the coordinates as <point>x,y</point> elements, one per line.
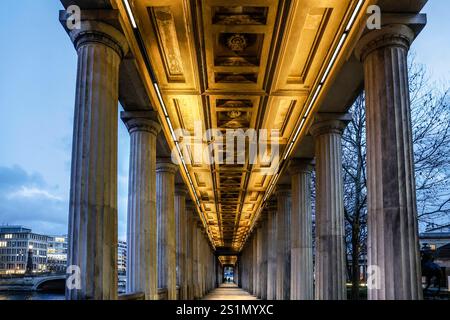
<point>98,26</point>
<point>181,190</point>
<point>166,165</point>
<point>393,35</point>
<point>146,121</point>
<point>328,123</point>
<point>283,190</point>
<point>301,165</point>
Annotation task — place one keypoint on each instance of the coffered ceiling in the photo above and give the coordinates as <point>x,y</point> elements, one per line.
<point>228,64</point>
<point>228,260</point>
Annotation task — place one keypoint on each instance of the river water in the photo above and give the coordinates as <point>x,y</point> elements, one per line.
<point>10,295</point>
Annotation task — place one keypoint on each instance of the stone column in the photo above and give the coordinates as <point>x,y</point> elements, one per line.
<point>263,262</point>
<point>201,259</point>
<point>393,246</point>
<point>219,272</point>
<point>237,274</point>
<point>272,251</point>
<point>242,270</point>
<point>330,233</point>
<point>260,245</point>
<point>195,253</point>
<point>167,258</point>
<point>93,187</point>
<point>283,242</point>
<point>250,264</point>
<point>189,250</point>
<point>255,262</point>
<point>142,272</point>
<point>181,222</point>
<point>302,272</point>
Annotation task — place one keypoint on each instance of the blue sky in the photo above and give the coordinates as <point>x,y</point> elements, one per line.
<point>37,88</point>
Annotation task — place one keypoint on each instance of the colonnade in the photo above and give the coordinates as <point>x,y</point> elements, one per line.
<point>169,256</point>
<point>294,269</point>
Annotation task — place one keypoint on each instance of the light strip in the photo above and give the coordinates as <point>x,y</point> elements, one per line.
<point>130,14</point>
<point>289,150</point>
<point>310,106</point>
<point>313,101</point>
<point>354,15</point>
<point>334,57</point>
<point>300,127</point>
<point>169,123</point>
<point>179,151</point>
<point>320,86</point>
<point>175,140</point>
<point>161,100</point>
<point>172,132</point>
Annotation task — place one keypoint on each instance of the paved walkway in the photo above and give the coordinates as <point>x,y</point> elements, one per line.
<point>229,291</point>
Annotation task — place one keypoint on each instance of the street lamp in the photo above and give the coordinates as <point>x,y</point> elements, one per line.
<point>29,269</point>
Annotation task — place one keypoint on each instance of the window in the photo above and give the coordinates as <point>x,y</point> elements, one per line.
<point>3,244</point>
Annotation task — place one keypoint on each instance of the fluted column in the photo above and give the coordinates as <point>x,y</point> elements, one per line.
<point>195,254</point>
<point>201,259</point>
<point>189,250</point>
<point>167,258</point>
<point>330,234</point>
<point>302,272</point>
<point>181,222</point>
<point>93,187</point>
<point>205,263</point>
<point>258,247</point>
<point>244,273</point>
<point>283,242</point>
<point>250,254</point>
<point>393,246</point>
<point>272,251</point>
<point>237,274</point>
<point>142,271</point>
<point>219,274</point>
<point>262,248</point>
<point>255,262</point>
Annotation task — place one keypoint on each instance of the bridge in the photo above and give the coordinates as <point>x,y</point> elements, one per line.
<point>34,283</point>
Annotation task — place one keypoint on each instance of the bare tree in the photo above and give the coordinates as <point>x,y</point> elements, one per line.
<point>430,113</point>
<point>355,191</point>
<point>430,116</point>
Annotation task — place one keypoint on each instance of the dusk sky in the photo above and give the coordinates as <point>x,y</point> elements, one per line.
<point>37,88</point>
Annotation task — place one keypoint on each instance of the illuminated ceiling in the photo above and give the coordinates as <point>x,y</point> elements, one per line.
<point>259,64</point>
<point>228,260</point>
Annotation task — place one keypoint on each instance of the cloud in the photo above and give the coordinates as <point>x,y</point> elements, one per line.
<point>11,178</point>
<point>26,192</point>
<point>26,199</point>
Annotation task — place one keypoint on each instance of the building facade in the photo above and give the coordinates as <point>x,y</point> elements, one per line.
<point>57,253</point>
<point>435,237</point>
<point>16,244</point>
<point>122,258</point>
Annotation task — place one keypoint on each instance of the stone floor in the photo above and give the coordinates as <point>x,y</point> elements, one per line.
<point>229,291</point>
